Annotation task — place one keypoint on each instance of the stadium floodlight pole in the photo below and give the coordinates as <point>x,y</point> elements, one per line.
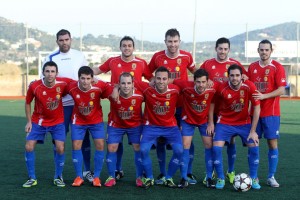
<point>194,33</point>
<point>246,44</point>
<point>297,67</point>
<point>80,36</point>
<point>27,66</point>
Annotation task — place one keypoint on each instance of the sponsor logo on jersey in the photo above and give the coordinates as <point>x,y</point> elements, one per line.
<point>161,109</point>
<point>85,110</point>
<point>52,105</point>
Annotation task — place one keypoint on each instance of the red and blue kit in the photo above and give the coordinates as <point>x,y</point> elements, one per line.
<point>267,79</point>
<point>195,106</point>
<point>48,108</point>
<point>177,66</point>
<point>136,67</point>
<point>127,112</point>
<point>87,108</point>
<point>235,107</point>
<point>159,107</point>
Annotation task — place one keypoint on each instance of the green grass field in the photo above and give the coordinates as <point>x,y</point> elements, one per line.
<point>14,174</point>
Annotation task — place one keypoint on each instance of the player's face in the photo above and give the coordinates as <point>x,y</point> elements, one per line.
<point>50,74</point>
<point>201,84</point>
<point>127,48</point>
<point>172,44</point>
<point>64,43</point>
<point>235,78</point>
<point>126,86</point>
<point>161,81</point>
<point>85,81</point>
<point>222,51</point>
<point>264,51</point>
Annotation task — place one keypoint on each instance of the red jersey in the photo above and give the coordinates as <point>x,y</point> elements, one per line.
<point>48,109</point>
<point>195,106</point>
<point>267,79</point>
<point>159,107</point>
<point>235,107</point>
<point>177,66</point>
<point>217,71</point>
<point>136,67</point>
<point>87,108</point>
<point>127,113</point>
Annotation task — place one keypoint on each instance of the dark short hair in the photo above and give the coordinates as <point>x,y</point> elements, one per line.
<point>125,74</point>
<point>233,67</point>
<point>162,69</point>
<point>172,32</point>
<point>50,63</point>
<point>222,40</point>
<point>85,70</point>
<point>126,38</point>
<point>265,42</point>
<point>62,32</point>
<point>199,73</point>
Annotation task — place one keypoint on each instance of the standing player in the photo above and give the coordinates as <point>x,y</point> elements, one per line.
<point>234,119</point>
<point>217,70</point>
<point>159,120</point>
<point>87,116</point>
<point>69,61</point>
<point>124,118</point>
<point>177,62</point>
<point>270,80</point>
<point>126,62</point>
<point>47,117</point>
<point>197,98</point>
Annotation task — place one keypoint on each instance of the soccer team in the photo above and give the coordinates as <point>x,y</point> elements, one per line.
<point>223,101</point>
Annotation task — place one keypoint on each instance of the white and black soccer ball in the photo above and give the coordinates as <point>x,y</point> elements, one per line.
<point>242,182</point>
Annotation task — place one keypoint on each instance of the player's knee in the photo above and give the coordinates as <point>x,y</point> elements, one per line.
<point>29,147</point>
<point>177,149</point>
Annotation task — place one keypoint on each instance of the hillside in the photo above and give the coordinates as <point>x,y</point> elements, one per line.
<point>12,42</point>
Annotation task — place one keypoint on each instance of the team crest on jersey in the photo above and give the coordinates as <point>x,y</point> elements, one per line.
<point>179,61</point>
<point>227,65</point>
<point>242,93</point>
<point>255,71</point>
<point>133,101</point>
<point>133,66</point>
<point>265,79</point>
<point>58,89</point>
<point>77,96</point>
<point>119,65</point>
<point>213,67</point>
<point>267,71</point>
<point>229,96</point>
<point>44,93</point>
<point>165,62</point>
<point>92,95</point>
<point>168,96</point>
<point>206,96</point>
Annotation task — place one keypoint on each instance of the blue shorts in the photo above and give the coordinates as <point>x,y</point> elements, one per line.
<point>225,132</point>
<point>96,130</point>
<point>189,129</point>
<point>269,127</point>
<point>115,135</point>
<point>170,133</point>
<point>38,132</point>
<point>67,117</point>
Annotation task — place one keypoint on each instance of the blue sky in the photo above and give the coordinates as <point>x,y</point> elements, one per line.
<point>149,19</point>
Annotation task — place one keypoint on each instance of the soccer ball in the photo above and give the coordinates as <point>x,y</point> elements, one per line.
<point>242,182</point>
